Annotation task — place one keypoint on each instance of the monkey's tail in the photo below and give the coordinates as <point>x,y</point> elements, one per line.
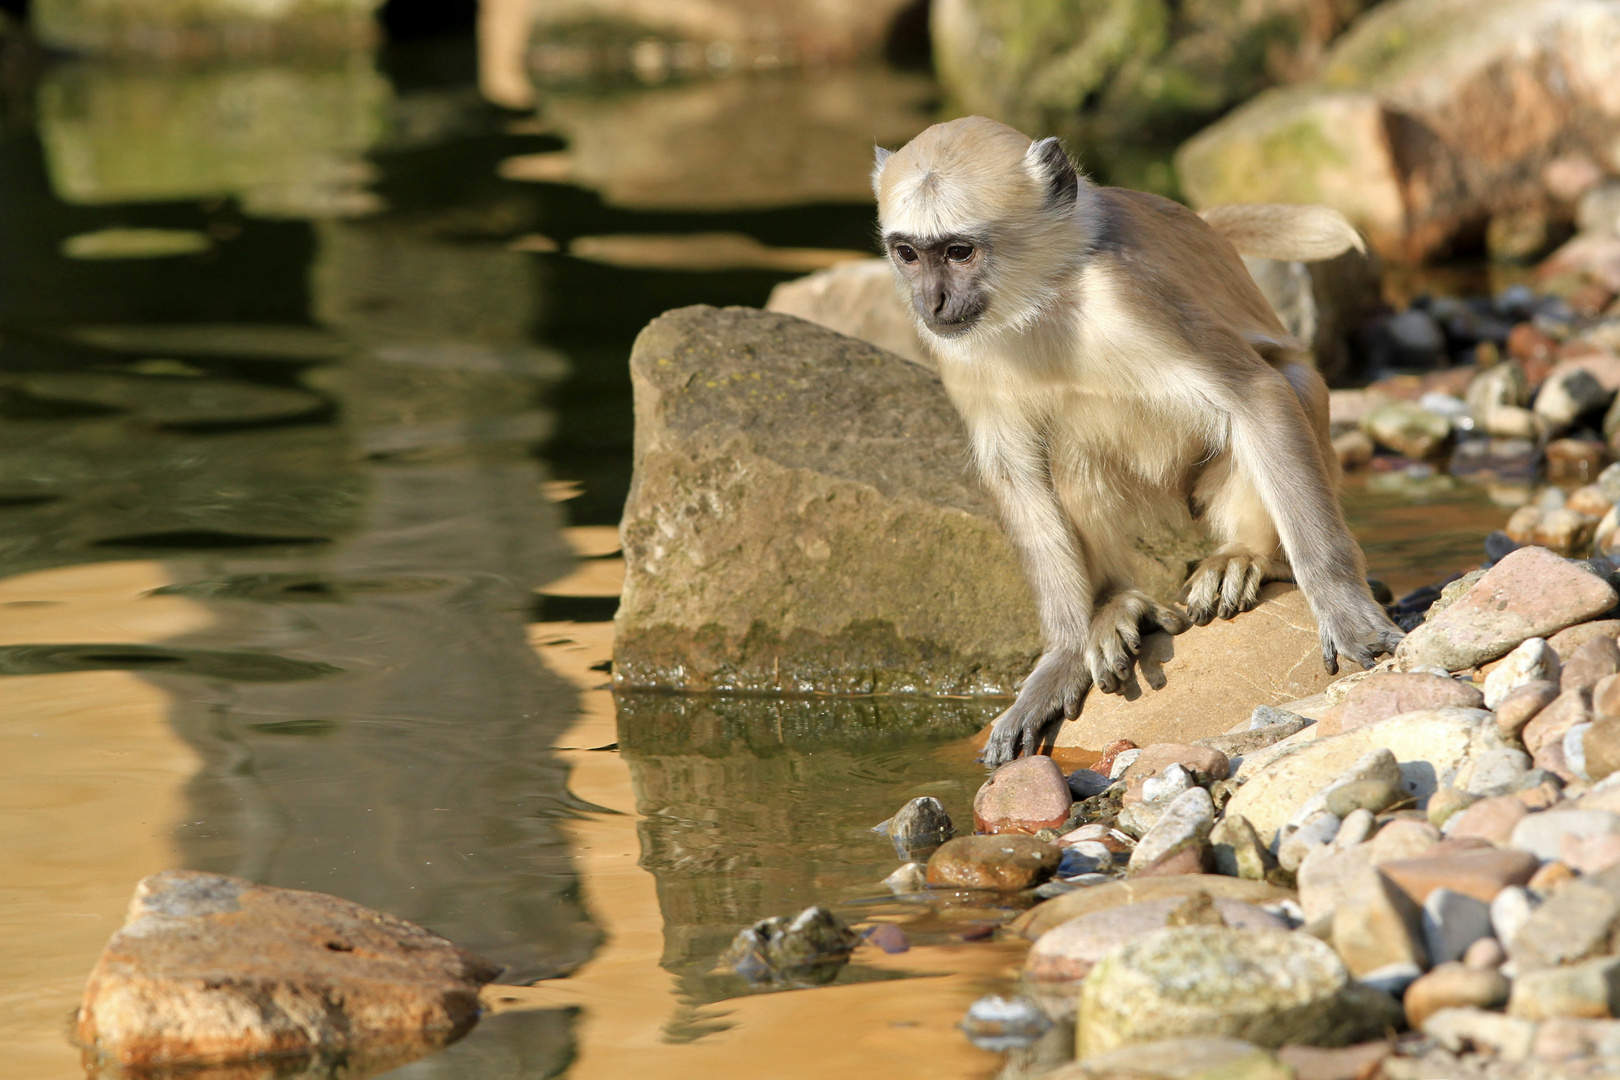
<point>1294,233</point>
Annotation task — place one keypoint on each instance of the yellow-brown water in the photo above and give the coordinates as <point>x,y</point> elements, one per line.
<point>313,438</point>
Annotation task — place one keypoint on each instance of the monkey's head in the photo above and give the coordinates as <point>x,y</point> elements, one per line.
<point>980,224</point>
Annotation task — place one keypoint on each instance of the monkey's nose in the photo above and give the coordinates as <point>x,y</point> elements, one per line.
<point>940,299</point>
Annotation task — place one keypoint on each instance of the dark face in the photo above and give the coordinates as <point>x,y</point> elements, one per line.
<point>945,274</point>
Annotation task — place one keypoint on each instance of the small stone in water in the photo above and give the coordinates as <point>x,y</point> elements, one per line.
<point>999,1024</point>
<point>1105,764</point>
<point>1084,783</point>
<point>918,828</point>
<point>888,937</point>
<point>910,878</point>
<point>1085,857</point>
<point>810,948</point>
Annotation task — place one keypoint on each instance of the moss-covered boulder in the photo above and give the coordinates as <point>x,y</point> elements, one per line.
<point>1110,66</point>
<point>1429,119</point>
<point>802,519</point>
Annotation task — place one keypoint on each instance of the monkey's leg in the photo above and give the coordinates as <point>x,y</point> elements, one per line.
<point>1228,583</point>
<point>1116,635</point>
<point>1013,466</point>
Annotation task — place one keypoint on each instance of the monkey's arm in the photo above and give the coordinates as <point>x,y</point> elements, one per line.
<point>1272,441</point>
<point>1012,465</point>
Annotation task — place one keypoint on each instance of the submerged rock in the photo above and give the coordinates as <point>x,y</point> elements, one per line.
<point>210,969</point>
<point>998,1024</point>
<point>918,828</point>
<point>809,948</point>
<point>1268,987</point>
<point>1007,863</point>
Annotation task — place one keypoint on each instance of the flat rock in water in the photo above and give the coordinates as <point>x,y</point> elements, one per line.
<point>1530,593</point>
<point>1007,863</point>
<point>1431,747</point>
<point>1268,987</point>
<point>210,969</point>
<point>1213,677</point>
<point>1043,917</point>
<point>1023,796</point>
<point>801,518</point>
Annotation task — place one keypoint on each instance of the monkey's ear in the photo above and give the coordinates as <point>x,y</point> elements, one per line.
<point>880,157</point>
<point>1051,167</point>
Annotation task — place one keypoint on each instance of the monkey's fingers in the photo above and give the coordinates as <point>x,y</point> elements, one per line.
<point>1170,620</point>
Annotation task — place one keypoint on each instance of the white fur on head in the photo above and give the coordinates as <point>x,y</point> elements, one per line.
<point>880,158</point>
<point>978,177</point>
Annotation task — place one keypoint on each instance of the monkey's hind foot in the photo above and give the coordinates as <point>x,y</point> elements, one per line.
<point>1053,692</point>
<point>1355,627</point>
<point>1116,635</point>
<point>1229,584</point>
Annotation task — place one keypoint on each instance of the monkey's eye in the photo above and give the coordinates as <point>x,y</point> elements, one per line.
<point>959,252</point>
<point>906,252</point>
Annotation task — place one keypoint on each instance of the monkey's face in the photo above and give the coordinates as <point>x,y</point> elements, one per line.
<point>946,276</point>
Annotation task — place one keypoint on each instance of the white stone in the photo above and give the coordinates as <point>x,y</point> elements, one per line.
<point>1122,761</point>
<point>1356,827</point>
<point>1497,771</point>
<point>1464,1029</point>
<point>1542,834</point>
<point>1317,832</point>
<point>1510,910</point>
<point>1186,821</point>
<point>1532,660</point>
<point>1168,784</point>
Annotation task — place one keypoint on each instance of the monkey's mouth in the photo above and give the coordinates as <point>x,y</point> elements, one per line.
<point>954,327</point>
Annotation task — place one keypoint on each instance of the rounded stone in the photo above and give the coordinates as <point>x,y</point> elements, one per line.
<point>1070,950</point>
<point>1455,986</point>
<point>1023,796</point>
<point>1008,863</point>
<point>1269,987</point>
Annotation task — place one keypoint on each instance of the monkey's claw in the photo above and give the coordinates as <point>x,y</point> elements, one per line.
<point>1361,636</point>
<point>1116,635</point>
<point>1053,692</point>
<point>1227,585</point>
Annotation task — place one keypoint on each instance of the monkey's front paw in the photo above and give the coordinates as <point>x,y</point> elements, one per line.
<point>1357,630</point>
<point>1228,585</point>
<point>1053,692</point>
<point>1116,635</point>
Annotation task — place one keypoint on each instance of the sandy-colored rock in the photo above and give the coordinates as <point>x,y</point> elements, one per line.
<point>1068,951</point>
<point>211,969</point>
<point>1567,640</point>
<point>1007,863</point>
<point>1481,873</point>
<point>1490,819</point>
<point>1551,724</point>
<point>1236,849</point>
<point>1575,923</point>
<point>1378,926</point>
<point>1269,987</point>
<point>1530,593</point>
<point>1203,764</point>
<point>1044,916</point>
<point>1533,661</point>
<point>1454,986</point>
<point>1390,693</point>
<point>1023,796</point>
<point>1542,834</point>
<point>1459,1029</point>
<point>1520,707</point>
<point>1591,662</point>
<point>1431,747</point>
<point>1181,830</point>
<point>857,299</point>
<point>1214,676</point>
<point>1590,989</point>
<point>1198,1057</point>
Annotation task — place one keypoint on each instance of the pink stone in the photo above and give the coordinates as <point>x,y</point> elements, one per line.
<point>1390,693</point>
<point>1551,724</point>
<point>1521,706</point>
<point>1589,854</point>
<point>1023,796</point>
<point>1594,660</point>
<point>1205,763</point>
<point>1489,819</point>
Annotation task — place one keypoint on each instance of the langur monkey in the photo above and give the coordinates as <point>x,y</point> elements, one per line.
<point>1116,368</point>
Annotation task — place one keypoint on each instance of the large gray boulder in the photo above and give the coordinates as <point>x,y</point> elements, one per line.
<point>802,518</point>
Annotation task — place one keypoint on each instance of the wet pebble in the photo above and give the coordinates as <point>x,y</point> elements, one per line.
<point>1008,863</point>
<point>888,937</point>
<point>809,948</point>
<point>1023,796</point>
<point>918,828</point>
<point>1408,429</point>
<point>910,878</point>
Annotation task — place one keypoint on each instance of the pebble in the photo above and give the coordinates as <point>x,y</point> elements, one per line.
<point>1452,922</point>
<point>1574,748</point>
<point>1593,661</point>
<point>1357,826</point>
<point>1543,834</point>
<point>1236,849</point>
<point>1490,819</point>
<point>1008,863</point>
<point>1481,873</point>
<point>1407,429</point>
<point>1403,838</point>
<point>1575,459</point>
<point>1606,698</point>
<point>1165,786</point>
<point>1202,764</point>
<point>1179,838</point>
<point>1122,761</point>
<point>1532,661</point>
<point>1317,832</point>
<point>1085,857</point>
<point>1446,804</point>
<point>1561,1038</point>
<point>1485,953</point>
<point>1530,593</point>
<point>1547,879</point>
<point>1378,926</point>
<point>214,969</point>
<point>1326,877</point>
<point>1453,986</point>
<point>999,1024</point>
<point>1268,987</point>
<point>1023,796</point>
<point>1520,707</point>
<point>1390,693</point>
<point>1043,917</point>
<point>1590,854</point>
<point>1571,925</point>
<point>1510,911</point>
<point>911,877</point>
<point>888,937</point>
<point>1567,395</point>
<point>1086,783</point>
<point>1589,989</point>
<point>1569,708</point>
<point>1416,336</point>
<point>1571,638</point>
<point>1497,771</point>
<point>1592,500</point>
<point>1354,449</point>
<point>1562,530</point>
<point>918,828</point>
<point>1111,752</point>
<point>1506,1037</point>
<point>1193,1058</point>
<point>811,947</point>
<point>1069,951</point>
